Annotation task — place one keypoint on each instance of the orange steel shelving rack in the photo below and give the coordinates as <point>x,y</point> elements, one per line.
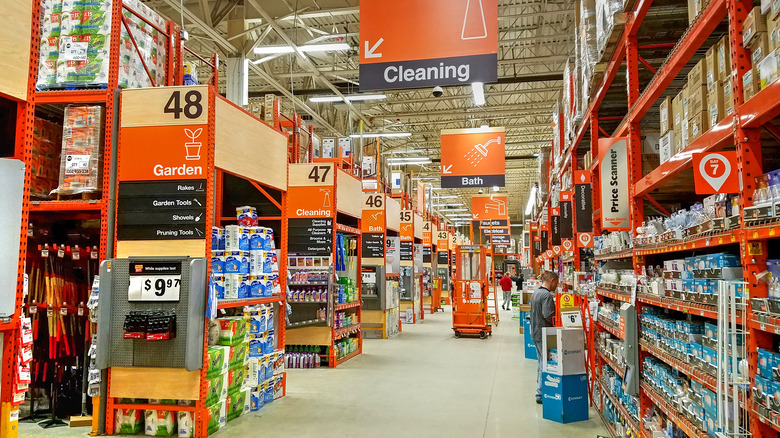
<point>741,129</point>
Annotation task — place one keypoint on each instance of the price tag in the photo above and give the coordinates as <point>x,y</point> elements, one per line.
<point>76,255</point>
<point>45,253</point>
<point>33,310</point>
<point>74,51</point>
<point>154,281</point>
<point>63,309</point>
<point>81,311</point>
<point>571,319</point>
<point>154,288</point>
<point>763,326</point>
<point>77,164</point>
<point>61,252</point>
<point>93,255</point>
<point>49,312</point>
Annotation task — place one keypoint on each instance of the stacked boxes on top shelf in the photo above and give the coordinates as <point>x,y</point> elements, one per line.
<point>761,36</point>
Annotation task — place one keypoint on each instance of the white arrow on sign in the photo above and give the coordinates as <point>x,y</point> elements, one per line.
<point>446,169</point>
<point>370,53</point>
<point>476,215</point>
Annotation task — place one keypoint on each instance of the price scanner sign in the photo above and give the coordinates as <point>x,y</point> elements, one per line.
<point>154,281</point>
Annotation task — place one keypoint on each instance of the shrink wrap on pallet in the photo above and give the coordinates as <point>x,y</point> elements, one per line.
<point>605,20</point>
<point>81,164</point>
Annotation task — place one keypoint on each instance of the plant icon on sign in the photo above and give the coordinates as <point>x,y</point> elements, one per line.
<point>193,147</point>
<point>480,151</point>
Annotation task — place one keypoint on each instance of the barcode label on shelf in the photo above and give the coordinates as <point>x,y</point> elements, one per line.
<point>77,164</point>
<point>72,51</point>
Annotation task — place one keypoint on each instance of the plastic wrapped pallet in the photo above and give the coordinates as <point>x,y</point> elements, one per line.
<point>47,138</point>
<point>605,20</point>
<point>81,164</point>
<point>151,48</point>
<point>51,11</point>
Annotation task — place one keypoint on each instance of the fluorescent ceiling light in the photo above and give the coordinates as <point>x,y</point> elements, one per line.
<point>454,204</point>
<point>530,206</point>
<point>382,134</point>
<point>496,188</point>
<point>445,196</point>
<point>352,98</point>
<point>452,210</point>
<point>478,89</point>
<point>461,215</point>
<point>328,47</point>
<point>407,159</point>
<point>413,162</point>
<point>484,126</point>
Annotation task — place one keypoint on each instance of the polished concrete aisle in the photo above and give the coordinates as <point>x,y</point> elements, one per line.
<point>422,383</point>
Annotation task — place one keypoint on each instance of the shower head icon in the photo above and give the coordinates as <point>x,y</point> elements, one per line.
<point>480,151</point>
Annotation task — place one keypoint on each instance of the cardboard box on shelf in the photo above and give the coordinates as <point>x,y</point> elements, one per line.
<point>767,70</point>
<point>760,48</point>
<point>693,10</point>
<point>697,75</point>
<point>666,146</point>
<point>697,100</point>
<point>715,107</point>
<point>711,66</point>
<point>677,111</point>
<point>771,30</point>
<point>774,12</point>
<point>753,25</point>
<point>750,84</point>
<point>728,97</point>
<point>685,108</point>
<point>698,125</point>
<point>724,58</point>
<point>667,115</point>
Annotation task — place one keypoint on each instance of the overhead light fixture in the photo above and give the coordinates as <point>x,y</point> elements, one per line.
<point>446,196</point>
<point>496,188</point>
<point>328,47</point>
<point>457,214</point>
<point>452,210</point>
<point>382,134</point>
<point>454,204</point>
<point>530,205</point>
<point>478,89</point>
<point>408,161</point>
<point>352,98</point>
<point>424,178</point>
<point>484,126</point>
<point>536,155</point>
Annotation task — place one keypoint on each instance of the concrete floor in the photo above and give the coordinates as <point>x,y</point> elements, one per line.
<point>422,383</point>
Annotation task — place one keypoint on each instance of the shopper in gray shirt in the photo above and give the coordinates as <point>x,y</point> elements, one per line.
<point>542,311</point>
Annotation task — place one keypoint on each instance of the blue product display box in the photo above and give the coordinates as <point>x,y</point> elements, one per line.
<point>530,348</point>
<point>565,398</point>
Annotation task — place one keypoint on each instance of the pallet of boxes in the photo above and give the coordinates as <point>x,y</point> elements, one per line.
<point>761,36</point>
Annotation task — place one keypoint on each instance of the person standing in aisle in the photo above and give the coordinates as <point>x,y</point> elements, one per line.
<point>542,311</point>
<point>506,287</point>
<point>519,281</point>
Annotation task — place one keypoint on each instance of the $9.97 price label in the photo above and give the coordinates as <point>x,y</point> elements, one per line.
<point>154,282</point>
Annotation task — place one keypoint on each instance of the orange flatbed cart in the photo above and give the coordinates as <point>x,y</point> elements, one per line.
<point>470,309</point>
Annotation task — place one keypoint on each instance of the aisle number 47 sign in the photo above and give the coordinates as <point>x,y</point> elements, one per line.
<point>715,172</point>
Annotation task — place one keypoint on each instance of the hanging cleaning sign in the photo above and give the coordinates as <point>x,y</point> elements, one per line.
<point>615,184</point>
<point>715,172</point>
<point>473,157</point>
<point>424,43</point>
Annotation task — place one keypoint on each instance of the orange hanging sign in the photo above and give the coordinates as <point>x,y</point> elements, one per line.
<point>153,153</point>
<point>473,157</point>
<point>489,207</point>
<point>715,172</point>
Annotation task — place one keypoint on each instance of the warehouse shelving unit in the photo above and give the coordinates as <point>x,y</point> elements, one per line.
<point>741,129</point>
<point>235,179</point>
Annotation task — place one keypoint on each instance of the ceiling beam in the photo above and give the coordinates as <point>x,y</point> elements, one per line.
<point>322,13</point>
<point>305,60</point>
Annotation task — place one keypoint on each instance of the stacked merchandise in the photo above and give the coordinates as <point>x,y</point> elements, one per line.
<point>586,50</point>
<point>694,402</point>
<point>81,160</point>
<point>155,422</point>
<point>244,259</point>
<point>761,35</point>
<point>75,45</point>
<point>266,363</point>
<point>622,280</point>
<point>303,356</point>
<point>613,387</point>
<point>227,370</point>
<point>606,13</point>
<point>609,315</point>
<point>717,213</point>
<point>766,198</point>
<point>611,348</point>
<point>609,243</point>
<point>47,140</point>
<point>704,101</point>
<point>697,279</point>
<point>309,285</point>
<point>766,388</point>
